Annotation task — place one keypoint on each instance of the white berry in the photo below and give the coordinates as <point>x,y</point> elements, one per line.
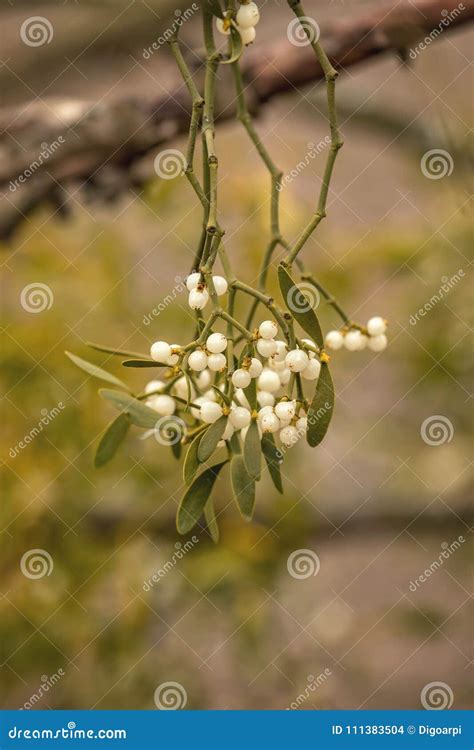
<point>181,388</point>
<point>377,343</point>
<point>302,424</point>
<point>154,385</point>
<point>312,371</point>
<point>285,410</point>
<point>334,340</point>
<point>240,417</point>
<point>163,404</point>
<point>266,347</point>
<point>229,431</point>
<point>220,285</point>
<point>210,412</point>
<point>241,378</point>
<point>242,398</point>
<point>221,27</point>
<point>204,379</point>
<point>268,329</point>
<point>174,356</point>
<point>199,401</point>
<point>297,360</point>
<point>216,343</point>
<point>198,300</point>
<point>160,351</point>
<point>197,360</point>
<point>248,15</point>
<point>269,422</point>
<point>285,376</point>
<point>268,381</point>
<point>289,435</point>
<point>255,368</point>
<point>265,398</point>
<point>247,35</point>
<point>216,362</point>
<point>376,326</point>
<point>281,351</point>
<point>192,281</point>
<point>352,341</point>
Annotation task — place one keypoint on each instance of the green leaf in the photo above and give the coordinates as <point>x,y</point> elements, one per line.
<point>211,521</point>
<point>111,439</point>
<point>236,47</point>
<point>116,352</point>
<point>251,394</point>
<point>243,486</point>
<point>191,462</point>
<point>195,498</point>
<point>322,407</point>
<point>176,449</point>
<point>96,372</point>
<point>272,458</point>
<point>142,363</point>
<point>139,414</point>
<point>253,451</point>
<point>300,306</point>
<point>222,396</point>
<point>211,437</point>
<point>215,6</point>
<point>190,389</point>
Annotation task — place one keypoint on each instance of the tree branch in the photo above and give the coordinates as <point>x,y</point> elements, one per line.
<point>99,146</point>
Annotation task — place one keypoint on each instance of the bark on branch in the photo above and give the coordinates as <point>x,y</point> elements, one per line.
<point>55,144</point>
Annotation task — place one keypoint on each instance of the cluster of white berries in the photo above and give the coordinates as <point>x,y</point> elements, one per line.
<point>272,371</point>
<point>246,19</point>
<point>354,339</point>
<point>198,294</point>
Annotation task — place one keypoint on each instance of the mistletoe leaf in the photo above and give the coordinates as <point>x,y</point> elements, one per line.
<point>215,6</point>
<point>236,47</point>
<point>96,372</point>
<point>251,394</point>
<point>191,461</point>
<point>211,520</point>
<point>116,352</point>
<point>253,451</point>
<point>272,458</point>
<point>300,306</point>
<point>210,438</point>
<point>111,439</point>
<point>322,407</point>
<point>243,486</point>
<point>142,363</point>
<point>195,498</point>
<point>222,396</point>
<point>138,413</point>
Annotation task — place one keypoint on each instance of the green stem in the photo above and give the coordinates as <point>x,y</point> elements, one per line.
<point>330,75</point>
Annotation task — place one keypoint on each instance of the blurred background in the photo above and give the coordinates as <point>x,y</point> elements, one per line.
<point>376,502</point>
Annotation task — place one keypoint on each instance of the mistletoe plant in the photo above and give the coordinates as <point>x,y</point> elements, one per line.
<point>255,388</point>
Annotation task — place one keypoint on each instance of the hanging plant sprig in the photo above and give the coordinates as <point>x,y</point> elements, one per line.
<point>240,391</point>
